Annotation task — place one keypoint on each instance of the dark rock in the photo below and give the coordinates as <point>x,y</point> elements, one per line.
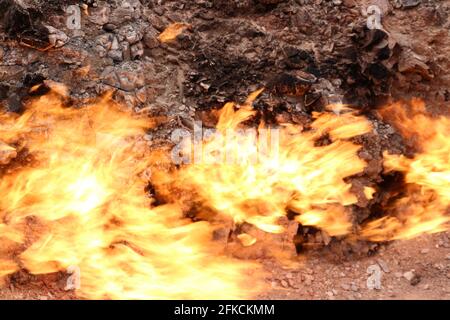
<point>410,3</point>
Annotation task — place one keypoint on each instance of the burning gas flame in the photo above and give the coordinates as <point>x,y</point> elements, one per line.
<point>73,183</point>
<point>425,207</point>
<point>259,176</point>
<point>79,201</point>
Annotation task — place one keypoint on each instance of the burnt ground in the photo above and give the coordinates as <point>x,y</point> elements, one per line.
<point>307,53</point>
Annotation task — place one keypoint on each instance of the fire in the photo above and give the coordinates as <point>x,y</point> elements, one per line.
<point>78,202</point>
<point>259,176</point>
<point>74,179</point>
<point>173,31</point>
<point>426,204</point>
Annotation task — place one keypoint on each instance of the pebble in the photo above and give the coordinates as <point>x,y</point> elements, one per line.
<point>412,277</point>
<point>408,275</point>
<point>424,251</point>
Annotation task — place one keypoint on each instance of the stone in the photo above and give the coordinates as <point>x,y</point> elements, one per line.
<point>151,38</point>
<point>116,55</point>
<point>137,50</point>
<point>109,77</point>
<point>109,27</point>
<point>105,41</point>
<point>408,275</point>
<point>412,277</point>
<point>127,11</point>
<point>426,287</point>
<point>56,37</point>
<point>130,33</point>
<point>100,15</point>
<point>131,76</point>
<point>115,44</point>
<point>410,3</point>
<point>155,21</point>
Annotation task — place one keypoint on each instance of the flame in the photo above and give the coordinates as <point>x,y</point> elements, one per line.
<point>172,31</point>
<point>83,187</point>
<point>258,176</point>
<point>426,203</point>
<point>73,181</point>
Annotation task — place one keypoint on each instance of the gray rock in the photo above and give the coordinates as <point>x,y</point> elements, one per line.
<point>131,33</point>
<point>127,10</point>
<point>110,78</point>
<point>105,41</point>
<point>100,15</point>
<point>116,55</point>
<point>410,3</point>
<point>131,76</point>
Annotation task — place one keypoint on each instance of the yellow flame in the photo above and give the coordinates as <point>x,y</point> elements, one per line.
<point>83,172</point>
<point>84,185</point>
<point>426,204</point>
<point>258,176</point>
<point>172,31</point>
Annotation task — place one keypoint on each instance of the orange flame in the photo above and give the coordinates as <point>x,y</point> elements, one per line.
<point>85,189</point>
<point>425,207</point>
<point>78,201</point>
<point>258,176</point>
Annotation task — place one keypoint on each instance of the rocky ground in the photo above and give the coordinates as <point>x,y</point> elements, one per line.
<point>410,269</point>
<point>307,53</point>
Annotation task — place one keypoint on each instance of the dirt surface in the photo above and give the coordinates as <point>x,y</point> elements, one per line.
<point>307,53</point>
<point>316,275</point>
<point>324,276</point>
